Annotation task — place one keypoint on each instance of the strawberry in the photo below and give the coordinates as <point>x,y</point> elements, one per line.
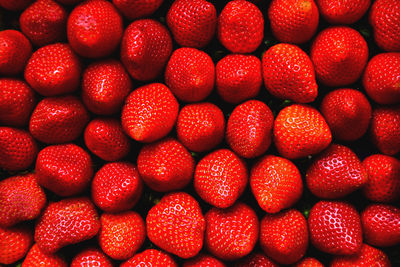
<point>335,173</point>
<point>116,187</point>
<point>14,53</point>
<point>18,149</point>
<point>220,178</point>
<point>200,127</point>
<point>309,262</point>
<point>240,27</point>
<point>238,77</point>
<point>300,130</point>
<point>145,49</point>
<point>249,129</point>
<point>105,85</point>
<point>335,228</point>
<point>343,12</point>
<point>339,55</point>
<point>21,199</point>
<point>150,257</point>
<point>94,28</point>
<point>64,169</point>
<point>177,225</point>
<point>192,23</point>
<point>256,260</point>
<point>14,243</point>
<point>36,257</point>
<point>368,256</point>
<point>347,112</point>
<point>15,5</point>
<point>289,73</point>
<point>53,70</point>
<point>293,21</point>
<point>149,113</point>
<point>165,165</point>
<point>190,74</point>
<point>106,139</point>
<point>133,9</point>
<point>121,234</point>
<point>203,260</point>
<point>91,257</point>
<point>58,119</point>
<point>276,183</point>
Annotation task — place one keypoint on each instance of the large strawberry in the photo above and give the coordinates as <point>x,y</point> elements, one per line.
<point>14,243</point>
<point>15,5</point>
<point>203,260</point>
<point>343,12</point>
<point>133,9</point>
<point>14,53</point>
<point>385,129</point>
<point>367,256</point>
<point>36,257</point>
<point>150,257</point>
<point>91,257</point>
<point>256,260</point>
<point>309,262</point>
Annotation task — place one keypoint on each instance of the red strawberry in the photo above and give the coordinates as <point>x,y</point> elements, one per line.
<point>91,257</point>
<point>94,28</point>
<point>240,27</point>
<point>105,85</point>
<point>14,243</point>
<point>36,257</point>
<point>385,129</point>
<point>276,183</point>
<point>238,77</point>
<point>64,169</point>
<point>121,234</point>
<point>150,257</point>
<point>249,129</point>
<point>165,165</point>
<point>14,53</point>
<point>383,178</point>
<point>200,127</point>
<point>58,119</point>
<point>339,55</point>
<point>309,262</point>
<point>192,23</point>
<point>300,130</point>
<point>293,21</point>
<point>203,260</point>
<point>256,260</point>
<point>15,5</point>
<point>53,70</point>
<point>343,12</point>
<point>145,49</point>
<point>133,9</point>
<point>289,73</point>
<point>149,113</point>
<point>347,112</point>
<point>177,225</point>
<point>106,139</point>
<point>368,256</point>
<point>190,74</point>
<point>335,228</point>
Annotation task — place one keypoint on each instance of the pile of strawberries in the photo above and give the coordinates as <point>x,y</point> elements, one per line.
<point>196,133</point>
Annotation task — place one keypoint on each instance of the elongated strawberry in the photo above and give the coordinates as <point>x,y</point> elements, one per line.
<point>14,53</point>
<point>90,257</point>
<point>15,5</point>
<point>133,9</point>
<point>14,243</point>
<point>309,262</point>
<point>151,257</point>
<point>343,12</point>
<point>203,260</point>
<point>256,260</point>
<point>368,256</point>
<point>36,257</point>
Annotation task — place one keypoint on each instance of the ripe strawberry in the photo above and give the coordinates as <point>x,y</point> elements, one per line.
<point>14,53</point>
<point>58,119</point>
<point>149,113</point>
<point>145,49</point>
<point>91,257</point>
<point>249,129</point>
<point>15,5</point>
<point>106,139</point>
<point>289,73</point>
<point>177,225</point>
<point>105,85</point>
<point>190,74</point>
<point>192,23</point>
<point>133,9</point>
<point>276,183</point>
<point>14,243</point>
<point>64,169</point>
<point>347,112</point>
<point>204,260</point>
<point>339,55</point>
<point>343,12</point>
<point>150,257</point>
<point>309,262</point>
<point>256,260</point>
<point>368,256</point>
<point>293,21</point>
<point>240,27</point>
<point>36,257</point>
<point>335,228</point>
<point>200,127</point>
<point>53,70</point>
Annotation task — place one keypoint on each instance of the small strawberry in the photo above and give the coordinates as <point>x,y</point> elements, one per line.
<point>14,243</point>
<point>150,257</point>
<point>309,262</point>
<point>91,257</point>
<point>256,260</point>
<point>204,260</point>
<point>15,5</point>
<point>343,12</point>
<point>368,256</point>
<point>36,257</point>
<point>14,53</point>
<point>133,9</point>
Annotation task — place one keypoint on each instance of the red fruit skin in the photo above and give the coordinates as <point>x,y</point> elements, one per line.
<point>105,85</point>
<point>240,27</point>
<point>343,12</point>
<point>17,101</point>
<point>106,139</point>
<point>203,260</point>
<point>149,113</point>
<point>36,257</point>
<point>190,74</point>
<point>151,257</point>
<point>53,70</point>
<point>289,73</point>
<point>64,169</point>
<point>192,23</point>
<point>18,149</point>
<point>276,183</point>
<point>133,9</point>
<point>145,49</point>
<point>293,21</point>
<point>339,55</point>
<point>256,260</point>
<point>116,187</point>
<point>347,112</point>
<point>15,5</point>
<point>381,80</point>
<point>309,262</point>
<point>200,127</point>
<point>335,228</point>
<point>69,221</point>
<point>14,53</point>
<point>14,243</point>
<point>91,257</point>
<point>58,119</point>
<point>238,77</point>
<point>368,256</point>
<point>383,178</point>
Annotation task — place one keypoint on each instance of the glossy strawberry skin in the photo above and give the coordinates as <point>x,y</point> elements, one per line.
<point>368,256</point>
<point>15,5</point>
<point>36,257</point>
<point>133,9</point>
<point>203,260</point>
<point>91,257</point>
<point>343,12</point>
<point>14,243</point>
<point>151,257</point>
<point>256,260</point>
<point>14,53</point>
<point>309,262</point>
